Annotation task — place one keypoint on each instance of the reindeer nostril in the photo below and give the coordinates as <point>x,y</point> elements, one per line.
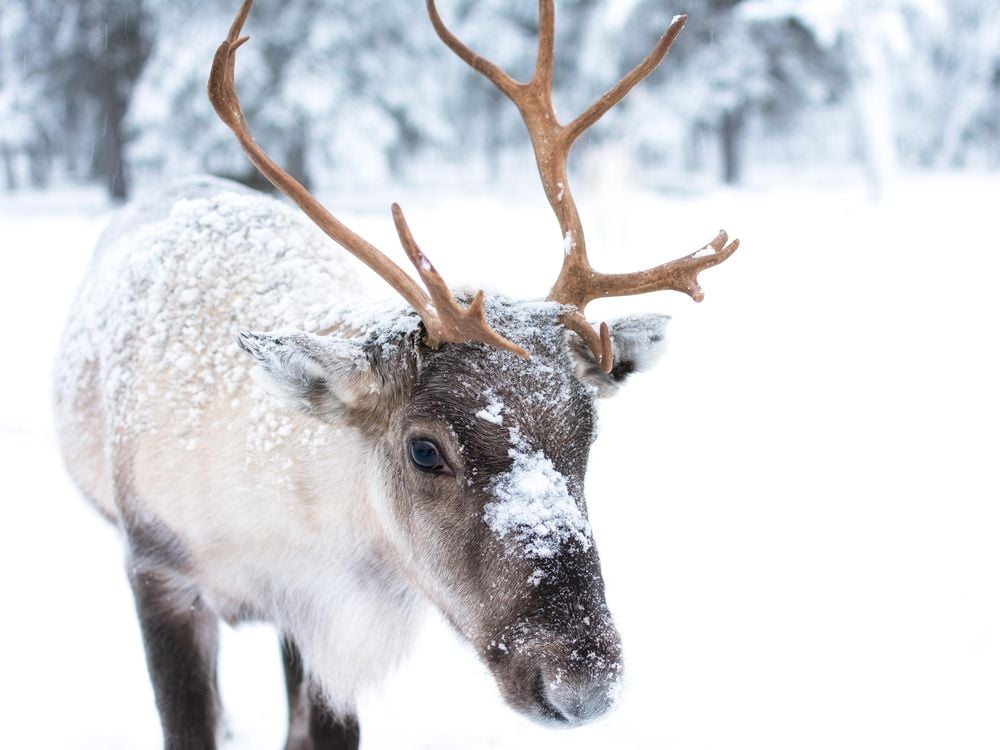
<point>572,699</point>
<point>549,710</point>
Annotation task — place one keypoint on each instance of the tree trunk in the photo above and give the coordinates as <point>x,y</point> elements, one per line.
<point>8,167</point>
<point>114,148</point>
<point>39,164</point>
<point>295,154</point>
<point>866,46</point>
<point>494,109</point>
<point>692,151</point>
<point>731,135</point>
<point>111,77</point>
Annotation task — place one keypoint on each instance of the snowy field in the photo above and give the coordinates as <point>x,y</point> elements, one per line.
<point>798,511</point>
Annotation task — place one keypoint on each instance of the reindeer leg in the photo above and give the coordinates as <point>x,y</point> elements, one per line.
<point>311,725</point>
<point>181,636</point>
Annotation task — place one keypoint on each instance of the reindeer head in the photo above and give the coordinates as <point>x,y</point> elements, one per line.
<point>479,415</point>
<point>478,458</point>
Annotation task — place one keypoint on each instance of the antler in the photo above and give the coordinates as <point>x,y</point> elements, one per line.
<point>578,283</point>
<point>443,317</point>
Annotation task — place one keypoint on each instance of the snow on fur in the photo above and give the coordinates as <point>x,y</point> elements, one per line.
<point>534,505</point>
<point>141,314</point>
<point>492,411</point>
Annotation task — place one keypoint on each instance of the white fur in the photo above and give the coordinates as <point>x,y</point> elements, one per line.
<point>640,339</point>
<point>159,418</point>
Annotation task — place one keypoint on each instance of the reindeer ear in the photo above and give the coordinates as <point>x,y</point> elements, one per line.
<point>637,341</point>
<point>321,375</point>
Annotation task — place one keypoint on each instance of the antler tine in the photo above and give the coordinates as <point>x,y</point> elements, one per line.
<point>444,322</point>
<point>620,90</point>
<point>456,324</point>
<point>599,343</point>
<point>679,275</point>
<point>480,64</point>
<point>546,45</point>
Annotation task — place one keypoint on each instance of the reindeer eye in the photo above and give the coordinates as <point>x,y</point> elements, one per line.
<point>426,455</point>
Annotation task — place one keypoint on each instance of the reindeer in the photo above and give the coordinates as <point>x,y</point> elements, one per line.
<point>364,461</point>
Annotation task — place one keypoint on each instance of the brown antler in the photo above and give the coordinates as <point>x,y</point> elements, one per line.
<point>578,283</point>
<point>443,317</point>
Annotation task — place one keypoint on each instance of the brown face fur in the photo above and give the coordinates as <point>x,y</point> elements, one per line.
<point>539,622</point>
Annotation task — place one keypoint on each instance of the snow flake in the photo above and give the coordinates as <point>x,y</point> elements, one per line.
<point>491,412</point>
<point>568,243</point>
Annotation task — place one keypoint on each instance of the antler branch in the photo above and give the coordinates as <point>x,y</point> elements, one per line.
<point>443,317</point>
<point>620,90</point>
<point>456,324</point>
<point>679,275</point>
<point>578,283</point>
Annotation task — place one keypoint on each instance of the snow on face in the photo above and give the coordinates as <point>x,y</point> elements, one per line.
<point>491,412</point>
<point>534,506</point>
<point>544,409</point>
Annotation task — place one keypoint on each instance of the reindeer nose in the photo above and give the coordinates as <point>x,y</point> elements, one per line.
<point>562,673</point>
<point>578,698</point>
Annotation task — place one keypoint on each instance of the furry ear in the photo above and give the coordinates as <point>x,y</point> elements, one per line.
<point>320,375</point>
<point>638,342</point>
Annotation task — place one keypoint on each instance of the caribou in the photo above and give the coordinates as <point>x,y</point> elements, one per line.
<point>275,447</point>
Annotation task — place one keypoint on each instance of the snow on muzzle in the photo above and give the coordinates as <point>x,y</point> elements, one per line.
<point>559,660</point>
<point>558,673</point>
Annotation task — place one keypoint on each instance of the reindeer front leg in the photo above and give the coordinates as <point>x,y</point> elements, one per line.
<point>311,725</point>
<point>181,636</point>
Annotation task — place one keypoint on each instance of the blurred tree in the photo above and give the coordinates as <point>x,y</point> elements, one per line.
<point>731,63</point>
<point>28,115</point>
<point>112,44</point>
<point>951,90</point>
<point>80,60</point>
<point>323,83</point>
<point>360,91</point>
<point>83,58</point>
<point>506,32</point>
<point>872,40</point>
<point>16,126</point>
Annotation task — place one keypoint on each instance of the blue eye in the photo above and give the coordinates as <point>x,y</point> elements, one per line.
<point>426,455</point>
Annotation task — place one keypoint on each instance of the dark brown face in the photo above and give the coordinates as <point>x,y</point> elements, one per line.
<point>492,451</point>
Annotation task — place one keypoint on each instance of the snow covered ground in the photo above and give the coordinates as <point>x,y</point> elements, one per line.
<point>798,512</point>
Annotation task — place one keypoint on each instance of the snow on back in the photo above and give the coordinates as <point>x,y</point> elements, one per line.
<point>534,506</point>
<point>174,280</point>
